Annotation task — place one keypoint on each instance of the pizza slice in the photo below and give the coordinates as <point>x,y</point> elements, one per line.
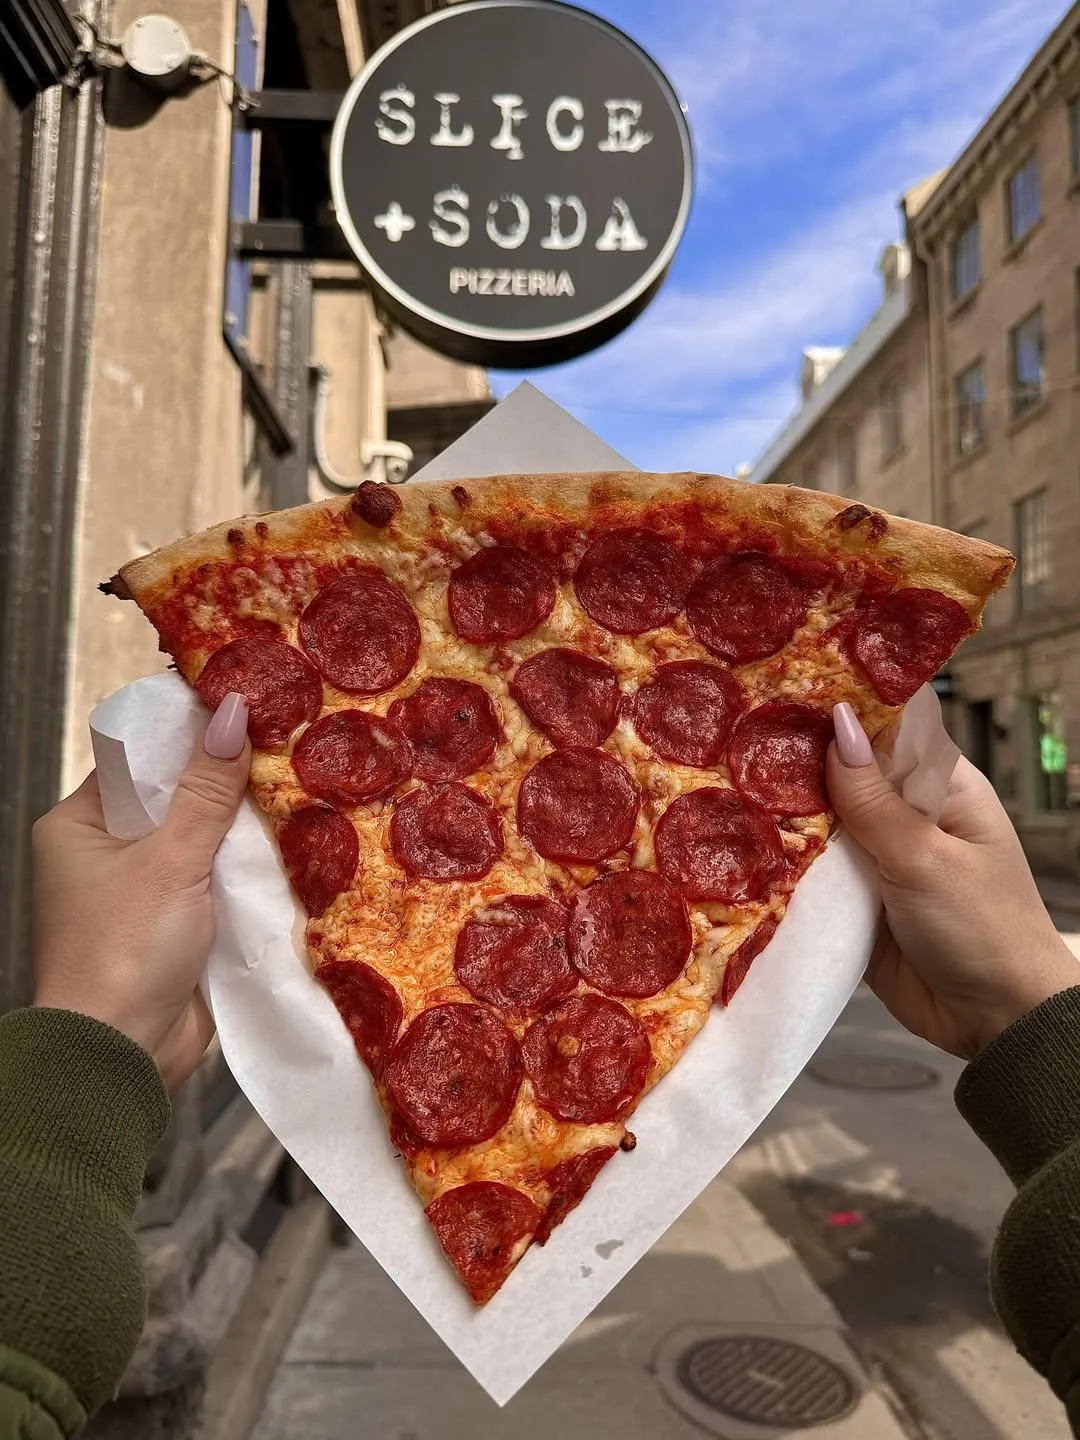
<point>543,757</point>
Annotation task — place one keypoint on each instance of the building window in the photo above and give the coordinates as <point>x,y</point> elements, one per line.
<point>1051,752</point>
<point>1026,363</point>
<point>847,459</point>
<point>1024,205</point>
<point>811,474</point>
<point>970,409</point>
<point>892,418</point>
<point>966,270</point>
<point>1074,135</point>
<point>1032,530</point>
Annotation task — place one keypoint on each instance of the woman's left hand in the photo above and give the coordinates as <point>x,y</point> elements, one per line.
<point>123,928</point>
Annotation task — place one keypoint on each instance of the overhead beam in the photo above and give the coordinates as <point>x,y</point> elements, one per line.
<point>273,107</point>
<point>288,240</point>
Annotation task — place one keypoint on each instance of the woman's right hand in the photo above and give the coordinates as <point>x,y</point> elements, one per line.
<point>966,946</point>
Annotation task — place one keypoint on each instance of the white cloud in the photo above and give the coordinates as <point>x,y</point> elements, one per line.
<point>691,342</point>
<point>707,375</point>
<point>759,76</point>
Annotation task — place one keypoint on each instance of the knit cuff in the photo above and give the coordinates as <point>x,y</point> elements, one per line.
<point>79,1099</point>
<point>81,1109</point>
<point>1021,1095</point>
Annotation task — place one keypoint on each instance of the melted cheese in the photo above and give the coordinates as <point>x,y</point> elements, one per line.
<point>407,930</point>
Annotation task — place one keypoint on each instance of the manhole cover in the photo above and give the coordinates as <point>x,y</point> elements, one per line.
<point>765,1381</point>
<point>872,1072</point>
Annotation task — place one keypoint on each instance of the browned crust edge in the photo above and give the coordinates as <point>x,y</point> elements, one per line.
<point>799,521</point>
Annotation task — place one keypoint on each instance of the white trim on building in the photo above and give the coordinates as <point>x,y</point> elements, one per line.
<point>875,333</point>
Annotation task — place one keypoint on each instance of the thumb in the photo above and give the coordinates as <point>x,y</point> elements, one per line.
<point>870,809</point>
<point>209,791</point>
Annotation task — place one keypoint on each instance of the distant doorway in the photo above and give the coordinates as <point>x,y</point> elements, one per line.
<point>980,736</point>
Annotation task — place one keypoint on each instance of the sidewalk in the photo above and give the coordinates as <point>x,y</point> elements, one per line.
<point>362,1365</point>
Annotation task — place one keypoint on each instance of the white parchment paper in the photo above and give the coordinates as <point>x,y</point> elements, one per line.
<point>295,1061</point>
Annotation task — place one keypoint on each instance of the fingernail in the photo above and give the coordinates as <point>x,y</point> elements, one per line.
<point>224,738</point>
<point>851,743</point>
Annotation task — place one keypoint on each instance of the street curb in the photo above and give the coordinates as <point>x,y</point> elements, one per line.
<point>245,1364</point>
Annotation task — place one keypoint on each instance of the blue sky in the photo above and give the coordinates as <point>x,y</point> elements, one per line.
<point>810,118</point>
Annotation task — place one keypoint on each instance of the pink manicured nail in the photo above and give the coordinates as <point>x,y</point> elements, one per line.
<point>851,743</point>
<point>224,738</point>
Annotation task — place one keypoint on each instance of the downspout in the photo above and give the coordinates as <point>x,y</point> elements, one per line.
<point>54,191</point>
<point>934,367</point>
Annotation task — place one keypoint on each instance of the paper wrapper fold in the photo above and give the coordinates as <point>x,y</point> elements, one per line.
<point>290,1053</point>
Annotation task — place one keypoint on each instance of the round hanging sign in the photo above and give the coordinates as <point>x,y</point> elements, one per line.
<point>514,177</point>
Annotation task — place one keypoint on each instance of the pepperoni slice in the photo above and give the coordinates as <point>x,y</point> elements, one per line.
<point>350,756</point>
<point>500,594</point>
<point>630,933</point>
<point>578,805</point>
<point>454,1075</point>
<point>447,832</point>
<point>714,846</point>
<point>573,698</point>
<point>570,1181</point>
<point>281,688</point>
<point>321,851</point>
<point>630,581</point>
<point>685,712</point>
<point>587,1058</point>
<point>482,1228</point>
<point>368,1004</point>
<point>514,955</point>
<point>451,727</point>
<point>738,966</point>
<point>901,640</point>
<point>777,758</point>
<point>375,503</point>
<point>745,607</point>
<point>361,633</point>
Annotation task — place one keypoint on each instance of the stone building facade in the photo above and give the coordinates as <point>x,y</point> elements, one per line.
<point>1000,243</point>
<point>863,429</point>
<point>985,337</point>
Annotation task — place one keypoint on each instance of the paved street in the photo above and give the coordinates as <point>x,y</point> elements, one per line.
<point>882,1207</point>
<point>892,1204</point>
<point>362,1365</point>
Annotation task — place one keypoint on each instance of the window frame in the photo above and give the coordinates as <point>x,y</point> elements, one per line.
<point>1028,537</point>
<point>1023,400</point>
<point>892,384</point>
<point>979,441</point>
<point>955,251</point>
<point>1013,236</point>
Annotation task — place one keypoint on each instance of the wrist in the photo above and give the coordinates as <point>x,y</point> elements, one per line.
<point>104,1008</point>
<point>1051,970</point>
<point>1021,1094</point>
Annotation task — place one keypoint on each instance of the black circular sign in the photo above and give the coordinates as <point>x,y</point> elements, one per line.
<point>514,176</point>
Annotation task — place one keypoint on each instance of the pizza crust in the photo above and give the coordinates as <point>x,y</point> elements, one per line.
<point>798,521</point>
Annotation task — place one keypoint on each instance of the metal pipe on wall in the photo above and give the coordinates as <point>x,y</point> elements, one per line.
<point>49,189</point>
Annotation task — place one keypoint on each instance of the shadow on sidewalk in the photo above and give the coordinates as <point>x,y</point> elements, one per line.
<point>363,1365</point>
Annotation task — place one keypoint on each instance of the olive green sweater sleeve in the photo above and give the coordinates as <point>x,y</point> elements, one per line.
<point>81,1109</point>
<point>1021,1096</point>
